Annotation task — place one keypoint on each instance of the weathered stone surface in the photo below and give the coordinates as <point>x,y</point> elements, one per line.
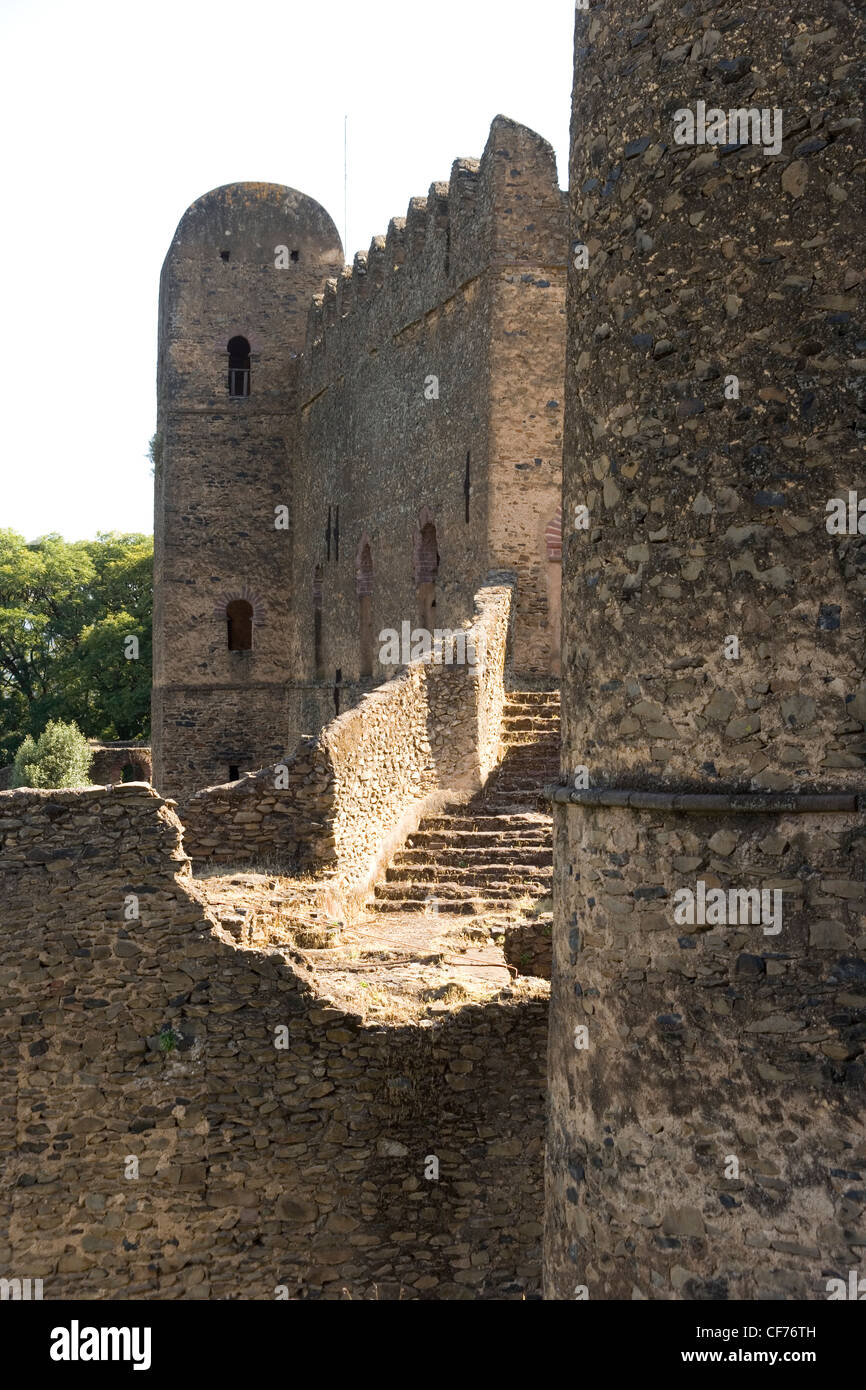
<point>704,1039</point>
<point>212,1164</point>
<point>405,410</point>
<point>343,801</point>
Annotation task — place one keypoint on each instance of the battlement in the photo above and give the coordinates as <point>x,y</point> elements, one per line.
<point>504,209</point>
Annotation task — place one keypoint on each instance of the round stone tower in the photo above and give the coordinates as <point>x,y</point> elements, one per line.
<point>236,286</point>
<point>709,996</point>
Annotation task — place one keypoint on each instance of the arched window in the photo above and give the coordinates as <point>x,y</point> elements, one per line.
<point>553,538</point>
<point>239,368</point>
<point>239,618</point>
<point>553,546</point>
<point>364,589</point>
<point>426,570</point>
<point>318,584</point>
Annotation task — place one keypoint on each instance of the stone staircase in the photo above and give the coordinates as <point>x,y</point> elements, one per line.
<point>492,857</point>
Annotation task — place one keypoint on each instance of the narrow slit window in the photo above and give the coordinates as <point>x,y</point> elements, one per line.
<point>239,368</point>
<point>239,621</point>
<point>364,585</point>
<point>426,573</point>
<point>317,623</point>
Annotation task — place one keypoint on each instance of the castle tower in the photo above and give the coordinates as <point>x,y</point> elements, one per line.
<point>707,1052</point>
<point>430,418</point>
<point>236,286</point>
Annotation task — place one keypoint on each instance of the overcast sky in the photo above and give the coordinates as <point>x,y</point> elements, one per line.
<point>120,113</point>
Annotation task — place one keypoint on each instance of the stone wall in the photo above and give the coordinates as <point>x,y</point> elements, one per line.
<point>110,759</point>
<point>156,1143</point>
<point>410,403</point>
<point>705,1044</point>
<point>418,741</point>
<point>207,731</point>
<point>350,797</point>
<point>223,467</point>
<point>468,289</point>
<point>713,688</point>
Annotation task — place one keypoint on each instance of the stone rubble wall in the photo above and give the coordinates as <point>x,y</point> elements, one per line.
<point>224,466</point>
<point>469,290</point>
<point>705,1043</point>
<point>478,219</point>
<point>258,1169</point>
<point>251,822</point>
<point>706,1080</point>
<point>354,793</point>
<point>109,760</point>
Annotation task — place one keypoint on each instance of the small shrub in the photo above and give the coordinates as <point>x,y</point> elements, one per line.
<point>60,757</point>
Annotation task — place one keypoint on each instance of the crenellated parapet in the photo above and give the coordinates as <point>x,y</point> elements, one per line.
<point>504,208</point>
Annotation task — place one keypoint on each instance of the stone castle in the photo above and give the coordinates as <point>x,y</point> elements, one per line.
<point>279,1025</point>
<point>399,421</point>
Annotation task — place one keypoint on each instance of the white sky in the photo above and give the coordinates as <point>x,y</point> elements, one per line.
<point>117,114</point>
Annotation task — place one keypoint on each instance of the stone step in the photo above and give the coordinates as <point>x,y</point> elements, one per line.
<point>548,767</point>
<point>529,751</point>
<point>518,783</point>
<point>517,717</point>
<point>447,894</point>
<point>547,755</point>
<point>531,718</point>
<point>490,830</point>
<point>463,907</point>
<point>466,858</point>
<point>515,743</point>
<point>482,818</point>
<point>524,786</point>
<point>546,730</point>
<point>517,754</point>
<point>520,755</point>
<point>518,851</point>
<point>526,800</point>
<point>525,878</point>
<point>483,857</point>
<point>518,775</point>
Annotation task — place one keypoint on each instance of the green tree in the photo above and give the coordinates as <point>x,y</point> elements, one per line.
<point>103,678</point>
<point>60,757</point>
<point>66,609</point>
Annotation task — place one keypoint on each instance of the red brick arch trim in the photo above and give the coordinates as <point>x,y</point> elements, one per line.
<point>364,572</point>
<point>553,538</point>
<point>426,557</point>
<point>247,595</point>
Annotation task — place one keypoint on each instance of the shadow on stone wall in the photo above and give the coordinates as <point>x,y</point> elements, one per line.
<point>344,801</point>
<point>158,1143</point>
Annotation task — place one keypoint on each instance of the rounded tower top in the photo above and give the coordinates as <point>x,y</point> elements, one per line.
<point>252,215</point>
<point>243,266</point>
